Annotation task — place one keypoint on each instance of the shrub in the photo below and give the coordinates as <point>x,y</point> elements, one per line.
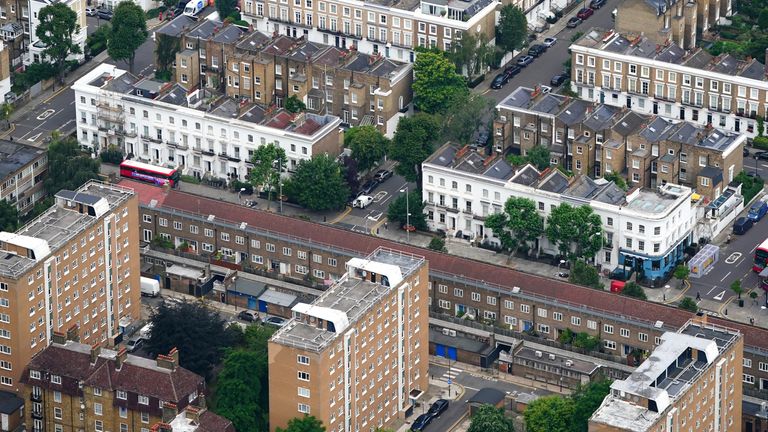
<point>688,304</point>
<point>437,244</point>
<point>112,155</point>
<point>190,179</point>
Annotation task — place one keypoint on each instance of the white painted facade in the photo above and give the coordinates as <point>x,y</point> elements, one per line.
<point>36,48</point>
<point>198,142</point>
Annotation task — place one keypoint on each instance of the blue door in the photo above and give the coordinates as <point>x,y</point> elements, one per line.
<point>262,306</point>
<point>527,325</point>
<point>251,303</point>
<point>440,350</point>
<point>452,353</point>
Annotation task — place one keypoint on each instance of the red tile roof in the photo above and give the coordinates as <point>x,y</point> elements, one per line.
<point>212,422</point>
<point>505,278</point>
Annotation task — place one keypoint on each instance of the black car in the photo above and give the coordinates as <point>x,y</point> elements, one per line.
<point>524,61</point>
<point>438,408</point>
<point>368,187</point>
<point>104,14</point>
<point>499,81</point>
<point>421,422</point>
<point>742,225</point>
<point>745,152</point>
<point>762,155</point>
<point>512,71</point>
<point>247,316</point>
<point>536,50</point>
<point>573,22</point>
<point>557,80</point>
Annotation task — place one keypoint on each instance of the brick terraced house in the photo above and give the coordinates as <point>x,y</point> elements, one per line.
<point>22,171</point>
<point>293,248</point>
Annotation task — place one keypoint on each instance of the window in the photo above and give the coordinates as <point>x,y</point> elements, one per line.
<point>607,328</point>
<point>303,392</point>
<point>749,379</point>
<point>143,400</point>
<point>611,345</point>
<point>624,332</point>
<point>557,316</point>
<point>524,308</point>
<point>541,312</point>
<point>56,379</point>
<point>747,362</point>
<point>575,321</point>
<point>57,413</point>
<point>304,408</point>
<point>642,337</point>
<point>121,394</point>
<point>97,409</point>
<point>302,359</point>
<point>33,374</point>
<point>303,376</point>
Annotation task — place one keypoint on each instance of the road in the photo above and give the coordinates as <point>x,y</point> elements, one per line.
<point>58,112</point>
<point>363,220</point>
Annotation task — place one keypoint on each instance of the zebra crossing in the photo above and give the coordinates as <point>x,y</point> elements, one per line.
<point>451,374</point>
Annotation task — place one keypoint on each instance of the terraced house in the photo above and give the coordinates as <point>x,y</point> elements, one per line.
<point>593,139</point>
<point>630,70</point>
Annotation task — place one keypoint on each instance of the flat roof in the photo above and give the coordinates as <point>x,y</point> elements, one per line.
<point>14,156</point>
<point>556,360</point>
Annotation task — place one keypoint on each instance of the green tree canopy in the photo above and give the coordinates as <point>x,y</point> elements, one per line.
<point>586,341</point>
<point>199,333</point>
<point>9,216</point>
<point>367,144</point>
<point>616,178</point>
<point>437,244</point>
<point>488,418</point>
<point>413,143</point>
<point>512,29</point>
<point>397,212</point>
<point>585,274</point>
<point>518,226</point>
<point>587,399</point>
<point>461,119</point>
<point>577,231</point>
<point>436,84</point>
<point>294,104</point>
<point>303,424</point>
<point>97,41</point>
<point>549,414</point>
<point>129,31</point>
<point>57,26</point>
<point>227,8</point>
<point>471,54</point>
<point>166,48</point>
<point>68,166</point>
<point>268,163</point>
<point>688,304</point>
<point>539,157</point>
<point>318,184</point>
<point>632,289</point>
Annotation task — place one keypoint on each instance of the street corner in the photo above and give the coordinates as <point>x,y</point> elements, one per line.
<point>375,228</point>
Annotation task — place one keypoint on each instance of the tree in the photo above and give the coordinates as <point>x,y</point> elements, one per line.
<point>523,222</point>
<point>488,418</point>
<point>437,244</point>
<point>5,112</point>
<point>471,54</point>
<point>97,41</point>
<point>681,273</point>
<point>512,29</point>
<point>397,213</point>
<point>165,54</point>
<point>318,184</point>
<point>737,288</point>
<point>461,119</point>
<point>367,144</point>
<point>616,178</point>
<point>129,31</point>
<point>539,157</point>
<point>549,414</point>
<point>688,304</point>
<point>436,84</point>
<point>413,143</point>
<point>585,274</point>
<point>9,216</point>
<point>566,336</point>
<point>268,163</point>
<point>199,333</point>
<point>576,231</point>
<point>350,175</point>
<point>294,104</point>
<point>227,8</point>
<point>587,399</point>
<point>303,424</point>
<point>632,289</point>
<point>68,167</point>
<point>585,341</point>
<point>57,25</point>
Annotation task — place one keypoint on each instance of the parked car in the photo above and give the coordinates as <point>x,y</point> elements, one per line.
<point>438,407</point>
<point>545,89</point>
<point>89,11</point>
<point>536,50</point>
<point>524,61</point>
<point>275,321</point>
<point>762,155</point>
<point>247,316</point>
<point>742,225</point>
<point>362,201</point>
<point>745,152</point>
<point>368,187</point>
<point>585,13</point>
<point>421,422</point>
<point>382,175</point>
<point>757,211</point>
<point>499,81</point>
<point>512,71</point>
<point>133,344</point>
<point>149,287</point>
<point>573,22</point>
<point>596,4</point>
<point>550,41</point>
<point>104,14</point>
<point>557,80</point>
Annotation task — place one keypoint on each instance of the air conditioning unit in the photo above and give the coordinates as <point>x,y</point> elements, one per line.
<point>446,331</point>
<point>551,356</point>
<point>568,363</point>
<point>452,333</point>
<point>538,354</point>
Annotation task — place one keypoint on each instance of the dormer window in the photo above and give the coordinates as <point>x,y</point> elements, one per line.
<point>33,374</point>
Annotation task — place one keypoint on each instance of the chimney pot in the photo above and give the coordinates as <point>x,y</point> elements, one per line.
<point>73,333</point>
<point>170,410</point>
<point>59,338</point>
<point>95,351</point>
<point>120,358</point>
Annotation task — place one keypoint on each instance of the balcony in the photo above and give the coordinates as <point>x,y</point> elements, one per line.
<point>692,103</point>
<point>151,138</point>
<point>36,397</point>
<point>208,152</point>
<point>37,414</point>
<point>178,145</point>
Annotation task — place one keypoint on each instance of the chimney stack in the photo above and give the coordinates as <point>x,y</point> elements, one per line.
<point>169,361</point>
<point>192,413</point>
<point>120,358</point>
<point>95,351</point>
<point>170,410</point>
<point>59,338</point>
<point>73,333</point>
<point>161,427</point>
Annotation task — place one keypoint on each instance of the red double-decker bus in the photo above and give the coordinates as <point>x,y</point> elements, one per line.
<point>761,256</point>
<point>149,173</point>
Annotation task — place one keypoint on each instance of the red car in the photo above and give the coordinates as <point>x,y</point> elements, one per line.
<point>585,13</point>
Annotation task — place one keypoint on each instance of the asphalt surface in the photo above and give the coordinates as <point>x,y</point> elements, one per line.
<point>363,220</point>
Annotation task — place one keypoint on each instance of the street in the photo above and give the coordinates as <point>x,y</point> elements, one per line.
<point>363,220</point>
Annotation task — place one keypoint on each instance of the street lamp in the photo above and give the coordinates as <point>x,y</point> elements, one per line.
<point>407,215</point>
<point>239,195</point>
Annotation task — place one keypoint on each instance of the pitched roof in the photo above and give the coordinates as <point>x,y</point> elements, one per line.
<point>441,265</point>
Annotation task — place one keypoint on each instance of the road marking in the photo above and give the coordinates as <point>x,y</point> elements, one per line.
<point>47,113</point>
<point>389,196</point>
<point>764,165</point>
<point>711,289</point>
<point>34,137</point>
<point>379,196</point>
<point>753,249</point>
<point>728,274</point>
<point>66,124</point>
<point>375,216</point>
<point>341,216</point>
<point>720,296</point>
<point>471,388</point>
<point>732,258</point>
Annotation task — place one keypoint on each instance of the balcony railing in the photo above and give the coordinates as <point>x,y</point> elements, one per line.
<point>151,138</point>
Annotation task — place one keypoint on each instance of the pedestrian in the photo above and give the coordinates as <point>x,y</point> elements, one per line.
<point>386,226</point>
<point>698,296</point>
<point>665,297</point>
<point>751,321</point>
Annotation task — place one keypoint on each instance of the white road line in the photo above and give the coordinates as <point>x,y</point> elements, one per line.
<point>471,388</point>
<point>712,289</point>
<point>729,273</point>
<point>753,249</point>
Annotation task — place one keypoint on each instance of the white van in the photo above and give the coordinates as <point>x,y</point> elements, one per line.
<point>362,201</point>
<point>149,287</point>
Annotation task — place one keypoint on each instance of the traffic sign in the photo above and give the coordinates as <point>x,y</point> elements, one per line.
<point>449,381</point>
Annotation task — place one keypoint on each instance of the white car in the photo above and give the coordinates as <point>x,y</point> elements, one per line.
<point>550,41</point>
<point>362,201</point>
<point>89,11</point>
<point>545,89</point>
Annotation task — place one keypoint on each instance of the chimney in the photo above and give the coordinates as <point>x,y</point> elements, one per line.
<point>59,338</point>
<point>192,413</point>
<point>73,333</point>
<point>95,351</point>
<point>170,410</point>
<point>170,361</point>
<point>161,427</point>
<point>700,318</point>
<point>120,358</point>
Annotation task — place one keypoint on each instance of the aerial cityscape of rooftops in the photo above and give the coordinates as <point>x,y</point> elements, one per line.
<point>385,215</point>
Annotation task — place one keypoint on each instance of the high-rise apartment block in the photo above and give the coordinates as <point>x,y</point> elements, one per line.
<point>691,381</point>
<point>356,356</point>
<point>23,169</point>
<point>76,264</point>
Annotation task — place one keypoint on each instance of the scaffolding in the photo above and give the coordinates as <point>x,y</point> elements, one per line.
<point>111,123</point>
